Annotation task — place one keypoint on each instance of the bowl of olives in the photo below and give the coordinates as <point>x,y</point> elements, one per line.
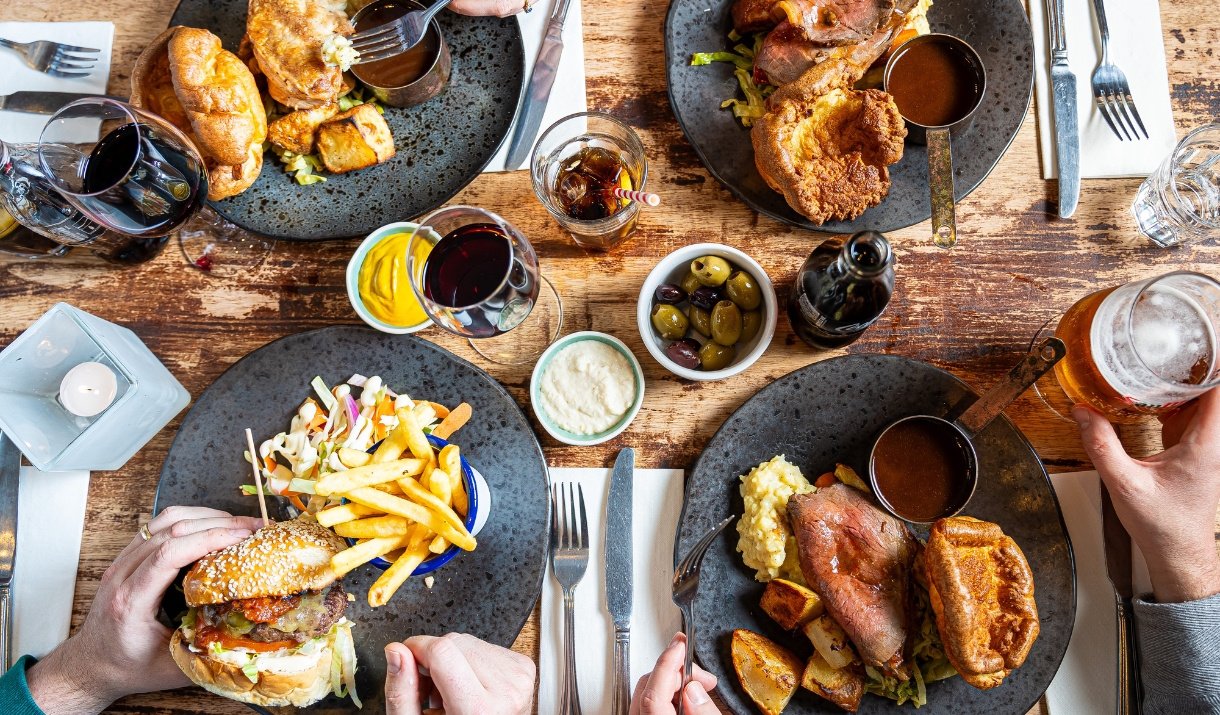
<point>707,311</point>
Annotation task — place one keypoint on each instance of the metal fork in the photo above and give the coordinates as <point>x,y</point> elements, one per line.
<point>52,57</point>
<point>1110,88</point>
<point>394,38</point>
<point>686,587</point>
<point>569,559</point>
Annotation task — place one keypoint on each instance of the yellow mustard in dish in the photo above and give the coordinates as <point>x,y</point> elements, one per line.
<point>385,287</point>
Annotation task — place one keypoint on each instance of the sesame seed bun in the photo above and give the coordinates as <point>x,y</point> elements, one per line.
<point>282,559</point>
<point>272,689</point>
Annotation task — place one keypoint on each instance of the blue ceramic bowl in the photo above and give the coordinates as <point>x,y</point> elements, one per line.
<point>433,563</point>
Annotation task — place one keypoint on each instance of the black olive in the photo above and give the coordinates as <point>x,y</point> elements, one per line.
<point>706,298</point>
<point>684,353</point>
<point>670,294</point>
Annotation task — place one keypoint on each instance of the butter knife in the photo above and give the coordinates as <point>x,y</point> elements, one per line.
<point>539,92</point>
<point>619,574</point>
<point>44,102</point>
<point>10,475</point>
<point>1063,92</point>
<point>1118,566</point>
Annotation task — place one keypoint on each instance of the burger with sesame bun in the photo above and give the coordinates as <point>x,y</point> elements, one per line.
<point>266,623</point>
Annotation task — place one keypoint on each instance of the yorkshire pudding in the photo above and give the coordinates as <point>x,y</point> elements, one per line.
<point>982,591</point>
<point>188,79</point>
<point>825,146</point>
<point>287,37</point>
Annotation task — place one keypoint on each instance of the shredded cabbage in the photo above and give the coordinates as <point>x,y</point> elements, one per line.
<point>251,671</point>
<point>930,660</point>
<point>742,57</point>
<point>348,650</point>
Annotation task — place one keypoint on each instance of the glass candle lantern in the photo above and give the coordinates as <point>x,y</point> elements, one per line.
<point>78,392</point>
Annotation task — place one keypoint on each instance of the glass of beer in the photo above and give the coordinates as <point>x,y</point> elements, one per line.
<point>1138,350</point>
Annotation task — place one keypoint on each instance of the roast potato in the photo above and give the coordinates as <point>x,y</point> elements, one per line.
<point>297,132</point>
<point>769,672</point>
<point>831,641</point>
<point>842,686</point>
<point>357,139</point>
<point>791,605</point>
<point>848,476</point>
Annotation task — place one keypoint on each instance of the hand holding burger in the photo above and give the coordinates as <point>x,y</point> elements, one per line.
<point>121,648</point>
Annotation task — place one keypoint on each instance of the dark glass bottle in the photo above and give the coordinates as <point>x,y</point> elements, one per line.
<point>843,287</point>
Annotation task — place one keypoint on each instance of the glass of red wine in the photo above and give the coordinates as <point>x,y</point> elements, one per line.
<point>144,181</point>
<point>478,278</point>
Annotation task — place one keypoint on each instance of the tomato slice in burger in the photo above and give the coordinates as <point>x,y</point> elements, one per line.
<point>207,635</point>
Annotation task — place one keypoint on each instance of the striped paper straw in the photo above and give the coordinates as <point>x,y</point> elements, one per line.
<point>642,196</point>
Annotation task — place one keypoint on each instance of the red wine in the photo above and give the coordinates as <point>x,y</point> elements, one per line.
<point>467,266</point>
<point>144,185</point>
<point>844,286</point>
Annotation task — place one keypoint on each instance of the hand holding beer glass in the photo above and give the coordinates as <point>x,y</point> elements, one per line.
<point>1137,350</point>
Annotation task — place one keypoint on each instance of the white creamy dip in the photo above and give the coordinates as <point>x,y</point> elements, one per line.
<point>587,387</point>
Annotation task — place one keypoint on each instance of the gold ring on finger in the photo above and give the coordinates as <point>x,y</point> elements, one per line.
<point>145,533</point>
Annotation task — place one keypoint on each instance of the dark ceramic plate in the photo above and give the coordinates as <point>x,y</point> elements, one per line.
<point>488,592</point>
<point>997,29</point>
<point>830,412</point>
<point>442,144</point>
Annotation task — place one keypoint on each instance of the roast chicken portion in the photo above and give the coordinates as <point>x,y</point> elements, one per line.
<point>859,561</point>
<point>827,147</point>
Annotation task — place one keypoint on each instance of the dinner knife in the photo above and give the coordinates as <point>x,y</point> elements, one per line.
<point>10,476</point>
<point>1118,566</point>
<point>1067,132</point>
<point>539,92</point>
<point>44,102</point>
<point>619,573</point>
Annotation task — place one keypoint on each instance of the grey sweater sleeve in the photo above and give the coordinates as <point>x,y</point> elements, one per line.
<point>1180,656</point>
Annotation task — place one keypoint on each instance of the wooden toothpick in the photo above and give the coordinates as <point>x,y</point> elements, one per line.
<point>258,476</point>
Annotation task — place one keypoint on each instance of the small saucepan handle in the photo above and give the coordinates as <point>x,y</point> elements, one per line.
<point>940,181</point>
<point>1041,359</point>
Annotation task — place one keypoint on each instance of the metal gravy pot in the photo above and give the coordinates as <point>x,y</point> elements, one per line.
<point>937,138</point>
<point>964,429</point>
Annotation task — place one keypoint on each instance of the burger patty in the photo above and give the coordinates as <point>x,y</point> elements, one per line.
<point>312,617</point>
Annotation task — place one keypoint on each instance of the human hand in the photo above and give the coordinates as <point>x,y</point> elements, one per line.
<point>466,676</point>
<point>499,8</point>
<point>656,693</point>
<point>1167,501</point>
<point>121,648</point>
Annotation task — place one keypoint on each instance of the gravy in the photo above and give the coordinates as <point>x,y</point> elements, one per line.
<point>400,70</point>
<point>922,469</point>
<point>933,83</point>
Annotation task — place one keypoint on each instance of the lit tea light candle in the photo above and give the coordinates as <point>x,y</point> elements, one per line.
<point>88,389</point>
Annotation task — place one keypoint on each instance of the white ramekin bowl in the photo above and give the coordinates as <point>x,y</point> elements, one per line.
<point>353,280</point>
<point>585,440</point>
<point>672,269</point>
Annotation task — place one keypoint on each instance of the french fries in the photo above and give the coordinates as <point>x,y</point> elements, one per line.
<point>406,502</point>
<point>345,512</point>
<point>376,527</point>
<point>367,476</point>
<point>391,504</point>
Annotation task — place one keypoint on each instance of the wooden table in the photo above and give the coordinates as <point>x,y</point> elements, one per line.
<point>971,311</point>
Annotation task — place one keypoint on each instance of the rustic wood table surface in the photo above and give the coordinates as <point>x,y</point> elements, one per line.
<point>971,311</point>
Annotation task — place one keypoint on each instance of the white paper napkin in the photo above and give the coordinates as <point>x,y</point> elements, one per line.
<point>568,92</point>
<point>16,75</point>
<point>1086,681</point>
<point>50,521</point>
<point>1136,46</point>
<point>657,501</point>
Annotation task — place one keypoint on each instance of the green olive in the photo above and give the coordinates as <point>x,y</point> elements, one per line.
<point>711,271</point>
<point>751,321</point>
<point>726,323</point>
<point>715,356</point>
<point>743,290</point>
<point>669,321</point>
<point>701,321</point>
<point>690,283</point>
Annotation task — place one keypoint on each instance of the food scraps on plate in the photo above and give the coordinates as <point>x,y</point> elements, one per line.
<point>854,580</point>
<point>404,502</point>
